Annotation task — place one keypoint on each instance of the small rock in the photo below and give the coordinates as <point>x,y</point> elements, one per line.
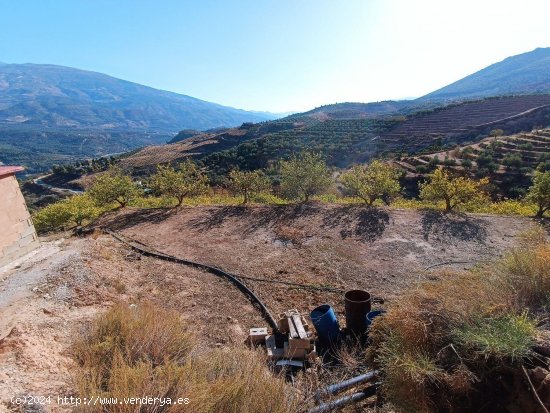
<point>229,318</point>
<point>219,344</point>
<point>538,374</point>
<point>46,311</point>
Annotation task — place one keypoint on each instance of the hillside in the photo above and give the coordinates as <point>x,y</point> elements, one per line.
<point>526,73</point>
<point>350,138</point>
<point>469,120</point>
<point>54,114</point>
<point>508,161</point>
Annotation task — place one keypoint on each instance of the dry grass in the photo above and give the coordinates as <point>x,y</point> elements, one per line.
<point>147,351</point>
<point>441,341</point>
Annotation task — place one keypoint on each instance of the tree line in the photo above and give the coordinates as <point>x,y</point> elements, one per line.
<point>297,179</point>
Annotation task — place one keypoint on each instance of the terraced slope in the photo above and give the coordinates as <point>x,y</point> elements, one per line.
<point>507,160</point>
<point>456,123</point>
<point>343,141</point>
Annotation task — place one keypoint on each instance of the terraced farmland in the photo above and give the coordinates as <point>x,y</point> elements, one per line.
<point>507,160</point>
<point>456,123</point>
<point>254,146</point>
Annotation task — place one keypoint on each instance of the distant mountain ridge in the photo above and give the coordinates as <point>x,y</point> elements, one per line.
<point>54,114</point>
<point>58,96</point>
<point>526,73</point>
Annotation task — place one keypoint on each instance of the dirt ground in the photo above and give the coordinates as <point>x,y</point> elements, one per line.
<point>49,298</point>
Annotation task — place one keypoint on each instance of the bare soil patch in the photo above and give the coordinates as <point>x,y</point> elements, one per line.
<point>383,251</point>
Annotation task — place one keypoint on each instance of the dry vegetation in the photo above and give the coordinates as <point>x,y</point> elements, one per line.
<point>340,246</point>
<point>461,343</point>
<point>145,350</point>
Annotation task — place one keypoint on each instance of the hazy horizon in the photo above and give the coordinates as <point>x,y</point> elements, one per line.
<point>275,56</point>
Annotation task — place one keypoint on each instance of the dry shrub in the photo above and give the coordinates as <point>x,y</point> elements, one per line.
<point>238,381</point>
<point>526,271</point>
<point>147,351</point>
<point>442,342</point>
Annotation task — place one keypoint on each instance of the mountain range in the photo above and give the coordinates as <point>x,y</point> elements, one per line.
<point>526,73</point>
<point>56,96</point>
<point>53,114</point>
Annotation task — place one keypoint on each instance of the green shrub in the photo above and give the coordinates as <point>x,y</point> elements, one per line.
<point>508,336</point>
<point>454,191</point>
<point>539,192</point>
<point>248,183</point>
<point>51,217</point>
<point>75,210</point>
<point>375,181</point>
<point>442,343</point>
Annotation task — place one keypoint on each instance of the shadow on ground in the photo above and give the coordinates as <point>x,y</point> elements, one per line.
<point>453,225</point>
<point>138,216</point>
<point>362,222</point>
<point>253,219</point>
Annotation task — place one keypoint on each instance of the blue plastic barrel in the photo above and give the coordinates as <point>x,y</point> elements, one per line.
<point>326,324</point>
<point>372,315</point>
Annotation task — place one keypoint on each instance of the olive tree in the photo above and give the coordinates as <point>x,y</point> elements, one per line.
<point>304,175</point>
<point>76,210</point>
<point>113,186</point>
<point>248,183</point>
<point>453,190</point>
<point>184,181</point>
<point>539,192</point>
<point>375,181</point>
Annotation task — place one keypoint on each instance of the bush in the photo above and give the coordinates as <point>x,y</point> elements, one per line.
<point>507,336</point>
<point>74,210</point>
<point>512,161</point>
<point>51,217</point>
<point>453,191</point>
<point>441,346</point>
<point>148,351</point>
<point>539,192</point>
<point>81,208</point>
<point>248,183</point>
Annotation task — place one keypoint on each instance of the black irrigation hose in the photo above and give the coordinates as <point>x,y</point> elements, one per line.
<point>216,271</point>
<point>297,285</point>
<point>377,300</point>
<point>289,283</point>
<point>446,263</point>
<point>454,262</point>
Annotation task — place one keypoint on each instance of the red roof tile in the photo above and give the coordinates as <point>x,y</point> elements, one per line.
<point>9,170</point>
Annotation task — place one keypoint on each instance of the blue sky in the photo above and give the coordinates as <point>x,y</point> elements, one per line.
<point>285,55</point>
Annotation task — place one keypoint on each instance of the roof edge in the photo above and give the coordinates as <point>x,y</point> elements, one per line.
<point>10,170</point>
